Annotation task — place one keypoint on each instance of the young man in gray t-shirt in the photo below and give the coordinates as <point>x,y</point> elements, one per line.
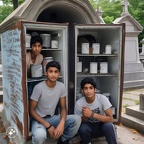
<point>96,114</point>
<point>44,100</point>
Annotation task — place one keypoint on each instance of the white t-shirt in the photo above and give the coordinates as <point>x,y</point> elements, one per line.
<point>47,98</point>
<point>100,104</point>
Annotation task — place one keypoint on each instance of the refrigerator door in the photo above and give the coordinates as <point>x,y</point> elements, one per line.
<point>104,61</point>
<point>55,47</point>
<point>15,44</point>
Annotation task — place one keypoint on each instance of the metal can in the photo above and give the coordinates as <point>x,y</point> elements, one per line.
<point>45,62</point>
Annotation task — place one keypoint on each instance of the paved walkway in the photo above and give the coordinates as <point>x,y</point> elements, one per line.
<point>125,135</point>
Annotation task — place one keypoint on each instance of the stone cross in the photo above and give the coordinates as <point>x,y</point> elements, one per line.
<point>125,5</point>
<point>99,11</point>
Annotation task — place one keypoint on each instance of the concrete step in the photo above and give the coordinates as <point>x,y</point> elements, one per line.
<point>138,75</point>
<point>135,111</point>
<point>132,122</point>
<point>133,84</point>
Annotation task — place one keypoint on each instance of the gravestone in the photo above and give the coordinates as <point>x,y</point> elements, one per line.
<point>133,68</point>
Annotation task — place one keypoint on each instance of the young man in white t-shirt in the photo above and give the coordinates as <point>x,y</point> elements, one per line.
<point>96,114</point>
<point>44,99</point>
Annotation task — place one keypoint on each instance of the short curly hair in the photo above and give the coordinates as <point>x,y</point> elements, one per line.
<point>36,39</point>
<point>88,80</point>
<point>53,64</point>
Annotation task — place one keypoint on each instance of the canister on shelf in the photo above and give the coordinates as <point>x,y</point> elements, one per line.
<point>46,40</point>
<point>85,48</point>
<point>45,61</point>
<point>108,49</point>
<point>95,48</point>
<point>79,66</point>
<point>103,67</point>
<point>54,44</point>
<point>36,71</point>
<point>28,38</point>
<point>93,67</point>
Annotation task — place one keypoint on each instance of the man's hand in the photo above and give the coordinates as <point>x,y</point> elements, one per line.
<point>58,131</point>
<point>86,112</point>
<point>51,131</point>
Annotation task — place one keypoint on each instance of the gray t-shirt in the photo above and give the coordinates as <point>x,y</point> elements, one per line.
<point>47,98</point>
<point>100,104</point>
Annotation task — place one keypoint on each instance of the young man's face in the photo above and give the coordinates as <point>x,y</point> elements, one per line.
<point>36,48</point>
<point>88,90</point>
<point>52,74</point>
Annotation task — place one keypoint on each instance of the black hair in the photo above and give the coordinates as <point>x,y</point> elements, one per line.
<point>36,39</point>
<point>88,80</point>
<point>53,64</point>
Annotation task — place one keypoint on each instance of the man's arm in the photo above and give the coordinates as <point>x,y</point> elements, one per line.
<point>35,115</point>
<point>107,118</point>
<point>60,128</point>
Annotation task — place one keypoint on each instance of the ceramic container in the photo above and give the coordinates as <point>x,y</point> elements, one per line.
<point>45,61</point>
<point>95,48</point>
<point>85,48</point>
<point>28,38</point>
<point>93,67</point>
<point>54,44</point>
<point>46,40</point>
<point>103,67</point>
<point>79,66</point>
<point>108,49</point>
<point>36,71</point>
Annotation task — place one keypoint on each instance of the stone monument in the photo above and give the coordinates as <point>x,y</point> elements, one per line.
<point>133,68</point>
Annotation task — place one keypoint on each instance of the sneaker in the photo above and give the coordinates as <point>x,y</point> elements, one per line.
<point>61,142</point>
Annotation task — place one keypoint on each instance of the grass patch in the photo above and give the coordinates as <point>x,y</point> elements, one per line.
<point>126,105</point>
<point>128,99</point>
<point>137,102</point>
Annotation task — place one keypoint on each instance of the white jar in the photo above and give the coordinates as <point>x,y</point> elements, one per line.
<point>103,67</point>
<point>93,67</point>
<point>79,66</point>
<point>45,62</point>
<point>108,49</point>
<point>36,71</point>
<point>95,48</point>
<point>46,40</point>
<point>54,44</point>
<point>28,38</point>
<point>85,48</point>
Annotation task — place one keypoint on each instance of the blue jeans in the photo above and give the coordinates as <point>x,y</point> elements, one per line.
<point>39,134</point>
<point>87,131</point>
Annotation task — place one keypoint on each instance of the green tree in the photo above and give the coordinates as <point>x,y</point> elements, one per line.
<point>4,12</point>
<point>15,3</point>
<point>113,9</point>
<point>7,7</point>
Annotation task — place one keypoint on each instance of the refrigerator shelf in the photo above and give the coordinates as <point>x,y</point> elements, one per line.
<point>48,49</point>
<point>110,55</point>
<point>81,74</point>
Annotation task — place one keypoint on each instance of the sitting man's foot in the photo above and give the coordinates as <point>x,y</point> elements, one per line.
<point>61,142</point>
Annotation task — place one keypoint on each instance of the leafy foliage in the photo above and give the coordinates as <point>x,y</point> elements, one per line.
<point>4,12</point>
<point>113,9</point>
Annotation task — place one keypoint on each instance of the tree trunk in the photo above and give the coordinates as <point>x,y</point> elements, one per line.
<point>15,4</point>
